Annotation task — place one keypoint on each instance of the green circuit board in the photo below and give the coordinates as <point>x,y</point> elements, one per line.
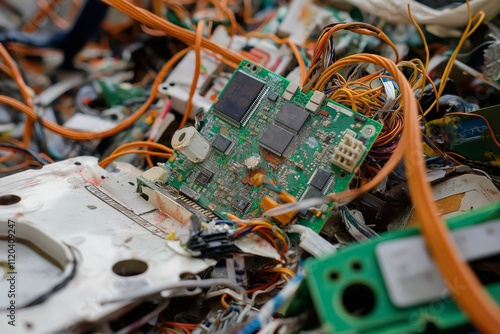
<point>263,123</point>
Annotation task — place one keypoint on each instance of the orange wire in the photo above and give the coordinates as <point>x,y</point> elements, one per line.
<point>25,92</point>
<point>105,162</point>
<point>82,135</point>
<point>274,280</point>
<point>290,44</point>
<point>197,66</point>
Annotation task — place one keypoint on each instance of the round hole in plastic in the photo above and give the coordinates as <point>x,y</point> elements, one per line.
<point>358,299</point>
<point>131,267</point>
<point>9,199</point>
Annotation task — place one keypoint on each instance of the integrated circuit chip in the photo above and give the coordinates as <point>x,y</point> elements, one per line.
<point>221,143</point>
<point>276,139</point>
<point>237,98</point>
<point>204,177</point>
<point>241,203</point>
<point>320,179</point>
<point>272,96</point>
<point>292,116</point>
<point>310,193</point>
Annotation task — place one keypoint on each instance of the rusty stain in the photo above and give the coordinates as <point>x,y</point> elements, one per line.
<point>445,205</point>
<point>492,191</point>
<point>176,213</point>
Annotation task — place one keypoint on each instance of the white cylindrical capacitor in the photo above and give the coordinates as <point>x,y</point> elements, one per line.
<point>252,163</point>
<point>191,143</point>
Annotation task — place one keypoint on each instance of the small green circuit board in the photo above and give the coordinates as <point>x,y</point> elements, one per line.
<point>263,123</point>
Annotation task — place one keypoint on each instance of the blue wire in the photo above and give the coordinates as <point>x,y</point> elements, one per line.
<point>224,221</point>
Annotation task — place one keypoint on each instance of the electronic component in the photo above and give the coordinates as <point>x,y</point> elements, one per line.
<point>290,91</point>
<point>466,132</point>
<point>237,98</point>
<point>315,101</point>
<point>188,192</point>
<point>273,96</point>
<point>204,177</point>
<point>320,179</point>
<point>310,193</point>
<point>268,142</point>
<point>269,203</point>
<point>189,142</point>
<point>207,244</point>
<point>252,163</point>
<point>276,139</point>
<point>392,282</point>
<point>348,153</point>
<point>360,118</point>
<point>240,204</point>
<point>221,143</point>
<point>292,116</point>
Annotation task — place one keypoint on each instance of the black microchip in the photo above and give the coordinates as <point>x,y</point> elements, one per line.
<point>292,116</point>
<point>328,139</point>
<point>276,139</point>
<point>221,143</point>
<point>320,179</point>
<point>359,118</point>
<point>240,204</point>
<point>272,96</point>
<point>310,193</point>
<point>204,177</point>
<point>238,96</point>
<point>363,140</point>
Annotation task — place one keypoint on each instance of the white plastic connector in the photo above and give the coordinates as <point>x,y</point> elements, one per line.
<point>348,153</point>
<point>312,242</point>
<point>154,174</point>
<point>315,101</point>
<point>191,143</point>
<point>290,91</point>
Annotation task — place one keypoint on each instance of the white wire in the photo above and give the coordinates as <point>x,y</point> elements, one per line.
<point>186,284</point>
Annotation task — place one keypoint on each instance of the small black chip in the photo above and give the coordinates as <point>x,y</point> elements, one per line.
<point>292,116</point>
<point>363,140</point>
<point>241,204</point>
<point>359,118</point>
<point>328,139</point>
<point>310,193</point>
<point>276,139</point>
<point>204,177</point>
<point>272,96</point>
<point>221,143</point>
<point>320,179</point>
<point>238,96</point>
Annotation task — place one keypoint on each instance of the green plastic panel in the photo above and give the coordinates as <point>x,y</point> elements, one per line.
<point>350,296</point>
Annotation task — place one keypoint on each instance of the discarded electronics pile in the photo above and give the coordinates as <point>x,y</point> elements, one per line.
<point>249,166</point>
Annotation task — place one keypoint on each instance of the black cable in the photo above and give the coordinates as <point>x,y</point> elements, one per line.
<point>58,287</point>
<point>32,153</point>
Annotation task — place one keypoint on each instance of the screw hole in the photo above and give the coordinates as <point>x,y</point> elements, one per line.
<point>334,275</point>
<point>127,268</point>
<point>358,300</point>
<point>9,199</point>
<point>356,266</point>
